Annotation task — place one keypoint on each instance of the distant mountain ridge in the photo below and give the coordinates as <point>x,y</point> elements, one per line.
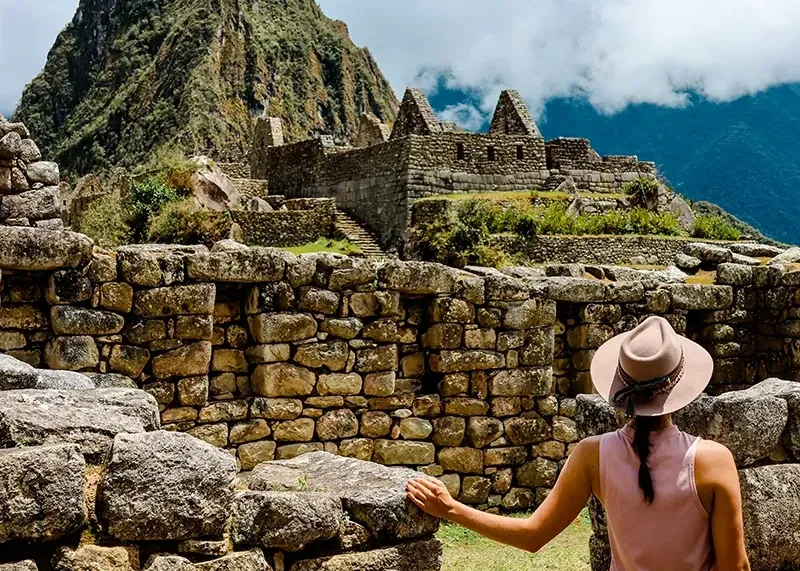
<point>127,77</point>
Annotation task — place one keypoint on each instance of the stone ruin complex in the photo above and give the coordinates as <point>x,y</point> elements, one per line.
<point>194,408</point>
<point>379,178</point>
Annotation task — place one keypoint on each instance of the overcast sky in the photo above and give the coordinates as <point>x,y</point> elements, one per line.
<point>612,52</point>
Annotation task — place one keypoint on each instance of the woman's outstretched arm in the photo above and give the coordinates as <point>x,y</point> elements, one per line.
<point>562,506</point>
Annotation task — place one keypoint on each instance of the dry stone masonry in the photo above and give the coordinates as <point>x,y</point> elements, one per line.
<point>379,178</point>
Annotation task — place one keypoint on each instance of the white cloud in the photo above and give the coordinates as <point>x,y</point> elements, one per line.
<point>612,52</point>
<point>464,115</point>
<point>27,30</point>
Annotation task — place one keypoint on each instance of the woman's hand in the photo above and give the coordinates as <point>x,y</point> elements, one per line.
<point>431,496</point>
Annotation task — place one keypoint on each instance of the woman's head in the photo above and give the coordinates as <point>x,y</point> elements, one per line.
<point>650,372</point>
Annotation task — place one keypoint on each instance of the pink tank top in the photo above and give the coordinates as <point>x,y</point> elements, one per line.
<point>674,531</point>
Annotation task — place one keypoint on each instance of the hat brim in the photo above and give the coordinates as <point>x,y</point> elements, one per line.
<point>699,366</point>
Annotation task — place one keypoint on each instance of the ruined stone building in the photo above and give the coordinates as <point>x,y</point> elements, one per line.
<point>378,178</point>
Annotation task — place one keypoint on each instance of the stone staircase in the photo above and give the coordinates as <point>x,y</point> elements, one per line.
<point>360,236</point>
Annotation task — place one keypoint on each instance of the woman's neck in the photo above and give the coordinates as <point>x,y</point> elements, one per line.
<point>656,422</point>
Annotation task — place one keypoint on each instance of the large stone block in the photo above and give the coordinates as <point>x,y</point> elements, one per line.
<point>91,557</point>
<point>285,520</point>
<point>533,381</point>
<point>771,510</point>
<point>243,266</point>
<point>700,296</point>
<point>281,327</point>
<point>282,380</point>
<point>67,320</point>
<point>330,354</point>
<point>72,353</point>
<point>165,486</point>
<point>190,360</point>
<point>178,300</point>
<point>35,249</point>
<point>468,360</point>
<point>530,313</point>
<point>40,204</point>
<point>418,278</point>
<point>750,422</point>
<point>392,453</point>
<point>252,560</point>
<point>373,495</point>
<point>90,419</point>
<point>414,556</point>
<point>41,493</point>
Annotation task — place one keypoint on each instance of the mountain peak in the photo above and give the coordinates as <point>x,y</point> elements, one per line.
<point>126,78</point>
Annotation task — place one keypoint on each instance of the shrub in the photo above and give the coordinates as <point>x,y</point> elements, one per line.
<point>170,166</point>
<point>712,227</point>
<point>185,223</point>
<point>145,201</point>
<point>643,192</point>
<point>104,222</point>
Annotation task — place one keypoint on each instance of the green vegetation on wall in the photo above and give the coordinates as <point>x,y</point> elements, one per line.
<point>712,227</point>
<point>466,236</point>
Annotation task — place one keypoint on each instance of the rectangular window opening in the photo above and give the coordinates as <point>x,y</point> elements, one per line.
<point>460,151</point>
<point>520,152</point>
<point>490,154</point>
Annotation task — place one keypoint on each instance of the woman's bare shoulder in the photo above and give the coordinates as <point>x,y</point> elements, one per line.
<point>713,458</point>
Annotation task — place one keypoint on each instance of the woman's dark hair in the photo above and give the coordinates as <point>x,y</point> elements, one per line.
<point>641,445</point>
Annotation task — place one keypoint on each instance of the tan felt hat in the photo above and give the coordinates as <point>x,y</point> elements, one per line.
<point>651,370</point>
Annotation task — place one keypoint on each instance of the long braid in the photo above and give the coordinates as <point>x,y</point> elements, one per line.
<point>641,444</point>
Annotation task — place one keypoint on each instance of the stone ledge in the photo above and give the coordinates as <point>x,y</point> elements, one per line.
<point>35,250</point>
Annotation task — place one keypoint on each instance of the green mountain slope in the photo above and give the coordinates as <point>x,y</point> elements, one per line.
<point>127,77</point>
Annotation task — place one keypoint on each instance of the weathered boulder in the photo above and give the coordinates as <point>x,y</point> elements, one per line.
<point>709,254</point>
<point>152,265</point>
<point>195,299</point>
<point>35,249</point>
<point>44,172</point>
<point>41,492</point>
<point>89,418</point>
<point>771,510</point>
<point>285,520</point>
<point>165,485</point>
<point>40,204</point>
<point>688,264</point>
<point>211,188</point>
<point>72,353</point>
<point>700,296</point>
<point>594,416</point>
<point>418,277</point>
<point>14,374</point>
<point>750,422</point>
<point>62,380</point>
<point>373,495</point>
<point>755,250</point>
<point>92,558</point>
<point>413,556</point>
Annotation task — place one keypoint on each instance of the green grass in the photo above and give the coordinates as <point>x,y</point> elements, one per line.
<point>465,550</point>
<point>524,195</point>
<point>326,245</point>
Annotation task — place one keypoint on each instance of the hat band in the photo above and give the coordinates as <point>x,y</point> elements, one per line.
<point>646,389</point>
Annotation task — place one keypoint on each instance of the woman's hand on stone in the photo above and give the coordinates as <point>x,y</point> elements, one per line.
<point>431,496</point>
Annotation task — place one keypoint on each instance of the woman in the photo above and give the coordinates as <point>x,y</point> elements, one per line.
<point>672,500</point>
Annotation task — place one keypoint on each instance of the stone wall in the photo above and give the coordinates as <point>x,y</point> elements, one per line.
<point>302,221</point>
<point>378,183</point>
<point>469,378</point>
<point>88,481</point>
<point>761,427</point>
<point>29,187</point>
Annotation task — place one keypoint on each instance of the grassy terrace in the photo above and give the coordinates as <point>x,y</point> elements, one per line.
<point>523,195</point>
<point>326,245</point>
<point>467,551</point>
